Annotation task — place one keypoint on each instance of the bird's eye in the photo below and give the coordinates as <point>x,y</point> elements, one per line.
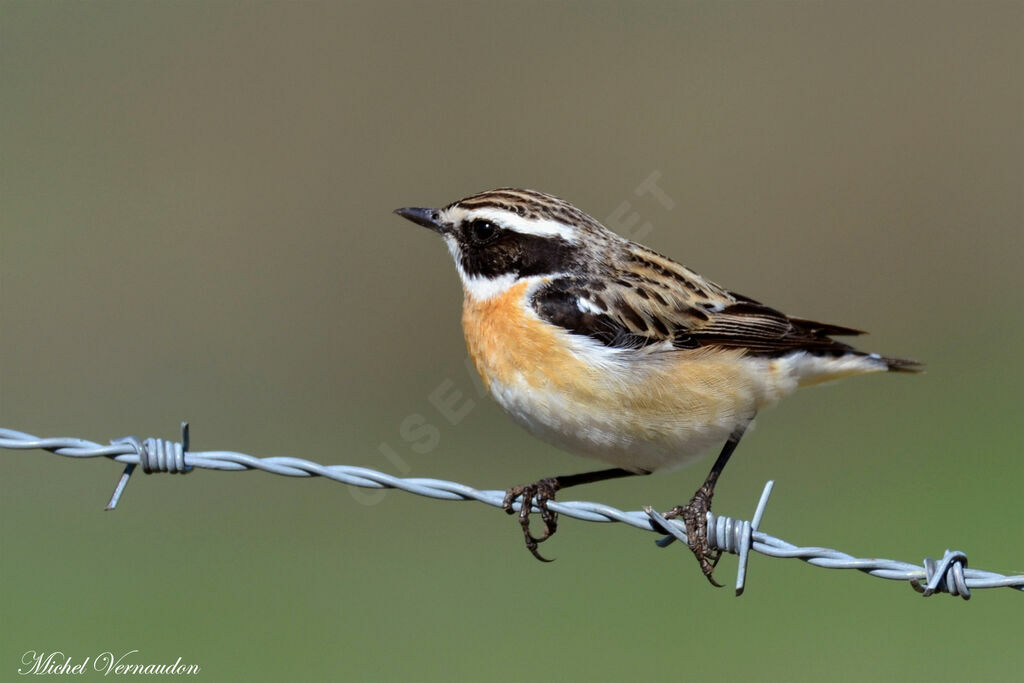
<point>482,230</point>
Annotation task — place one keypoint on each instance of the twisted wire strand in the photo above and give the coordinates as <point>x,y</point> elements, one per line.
<point>950,574</point>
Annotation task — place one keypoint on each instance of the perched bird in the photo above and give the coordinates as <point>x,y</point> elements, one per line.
<point>608,350</point>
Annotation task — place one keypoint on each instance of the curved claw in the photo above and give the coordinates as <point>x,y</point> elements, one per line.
<point>538,494</point>
<point>531,545</point>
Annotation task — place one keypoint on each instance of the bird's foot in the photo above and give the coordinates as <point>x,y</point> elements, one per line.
<point>695,516</point>
<point>538,493</point>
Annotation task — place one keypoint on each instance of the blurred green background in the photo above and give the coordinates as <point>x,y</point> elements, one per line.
<point>197,225</point>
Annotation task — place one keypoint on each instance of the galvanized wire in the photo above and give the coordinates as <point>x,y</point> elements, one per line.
<point>950,574</point>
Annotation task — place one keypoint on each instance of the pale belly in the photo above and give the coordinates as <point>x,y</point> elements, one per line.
<point>654,419</point>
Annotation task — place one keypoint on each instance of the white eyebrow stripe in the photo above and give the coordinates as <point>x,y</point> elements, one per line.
<point>541,227</point>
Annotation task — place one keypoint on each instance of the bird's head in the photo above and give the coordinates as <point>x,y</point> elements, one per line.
<point>502,236</point>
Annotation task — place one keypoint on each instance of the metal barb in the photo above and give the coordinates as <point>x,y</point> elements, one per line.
<point>724,533</point>
<point>155,455</point>
<point>184,438</point>
<point>748,536</point>
<point>945,576</point>
<point>119,488</point>
<point>122,483</point>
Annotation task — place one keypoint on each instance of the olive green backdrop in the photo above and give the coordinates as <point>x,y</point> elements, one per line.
<point>196,224</point>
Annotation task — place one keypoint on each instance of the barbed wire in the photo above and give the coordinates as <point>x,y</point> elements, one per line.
<point>949,574</point>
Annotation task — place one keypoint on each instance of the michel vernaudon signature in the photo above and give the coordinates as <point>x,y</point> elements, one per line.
<point>57,663</point>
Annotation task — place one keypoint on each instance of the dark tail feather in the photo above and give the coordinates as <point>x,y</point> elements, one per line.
<point>826,329</point>
<point>903,364</point>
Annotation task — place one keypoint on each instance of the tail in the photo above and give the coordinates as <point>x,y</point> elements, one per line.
<point>898,364</point>
<point>822,332</point>
<point>810,369</point>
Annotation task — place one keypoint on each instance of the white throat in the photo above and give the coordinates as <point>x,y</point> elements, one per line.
<point>484,288</point>
<point>477,287</point>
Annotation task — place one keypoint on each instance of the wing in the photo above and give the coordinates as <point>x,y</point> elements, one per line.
<point>653,301</point>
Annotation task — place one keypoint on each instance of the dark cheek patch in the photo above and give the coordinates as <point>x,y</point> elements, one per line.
<point>518,254</point>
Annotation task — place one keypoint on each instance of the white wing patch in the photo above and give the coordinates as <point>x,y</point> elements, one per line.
<point>588,306</point>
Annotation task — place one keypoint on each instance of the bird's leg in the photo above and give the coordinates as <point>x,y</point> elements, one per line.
<point>540,492</point>
<point>695,513</point>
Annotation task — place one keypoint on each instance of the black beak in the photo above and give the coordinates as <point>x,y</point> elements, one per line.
<point>428,218</point>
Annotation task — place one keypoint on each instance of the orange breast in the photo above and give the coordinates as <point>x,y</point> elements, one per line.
<point>509,345</point>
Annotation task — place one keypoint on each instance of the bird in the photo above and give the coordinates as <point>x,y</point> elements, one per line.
<point>608,350</point>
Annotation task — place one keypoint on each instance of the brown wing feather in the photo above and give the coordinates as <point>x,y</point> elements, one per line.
<point>652,300</point>
<point>763,330</point>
